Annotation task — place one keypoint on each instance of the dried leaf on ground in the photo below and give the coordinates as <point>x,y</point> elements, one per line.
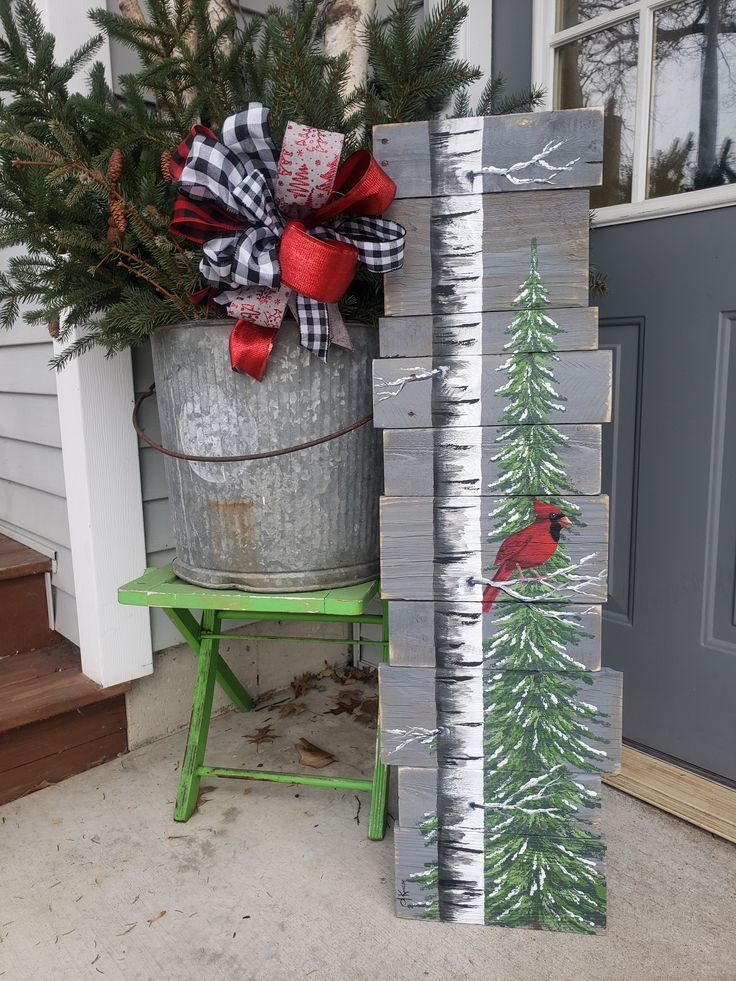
<point>292,708</point>
<point>157,916</point>
<point>303,683</point>
<point>368,714</point>
<point>347,702</point>
<point>366,673</point>
<point>264,734</point>
<point>311,755</point>
<point>201,798</point>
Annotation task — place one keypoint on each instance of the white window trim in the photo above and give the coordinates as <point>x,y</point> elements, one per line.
<point>546,40</point>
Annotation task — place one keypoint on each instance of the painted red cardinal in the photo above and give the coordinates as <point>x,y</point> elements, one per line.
<point>528,548</point>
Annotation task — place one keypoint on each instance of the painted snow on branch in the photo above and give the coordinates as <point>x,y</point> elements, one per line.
<point>538,160</point>
<point>543,865</point>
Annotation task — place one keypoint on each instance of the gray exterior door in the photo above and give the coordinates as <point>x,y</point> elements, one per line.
<point>670,468</point>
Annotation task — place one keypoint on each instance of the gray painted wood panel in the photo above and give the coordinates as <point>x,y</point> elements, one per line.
<point>416,853</point>
<point>412,568</point>
<point>461,335</point>
<point>417,789</point>
<point>521,152</point>
<point>420,393</point>
<point>411,638</point>
<point>408,714</point>
<point>470,254</point>
<point>410,455</point>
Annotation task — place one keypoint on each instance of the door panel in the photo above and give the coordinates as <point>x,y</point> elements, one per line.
<point>620,476</point>
<point>669,463</point>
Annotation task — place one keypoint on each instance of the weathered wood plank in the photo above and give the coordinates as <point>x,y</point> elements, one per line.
<point>461,335</point>
<point>422,393</point>
<point>412,639</point>
<point>417,792</point>
<point>470,254</point>
<point>412,568</point>
<point>409,715</point>
<point>443,156</point>
<point>443,462</point>
<point>417,858</point>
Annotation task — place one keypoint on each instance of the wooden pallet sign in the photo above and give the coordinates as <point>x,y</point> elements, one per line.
<point>491,391</point>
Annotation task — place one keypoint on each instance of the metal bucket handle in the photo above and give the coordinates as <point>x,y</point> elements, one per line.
<point>234,459</point>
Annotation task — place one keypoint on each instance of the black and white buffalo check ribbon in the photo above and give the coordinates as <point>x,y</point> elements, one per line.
<point>238,188</point>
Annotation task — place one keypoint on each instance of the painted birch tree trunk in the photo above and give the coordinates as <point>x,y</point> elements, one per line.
<point>345,24</point>
<point>458,637</point>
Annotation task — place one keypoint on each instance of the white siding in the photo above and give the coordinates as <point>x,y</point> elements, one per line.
<point>156,515</point>
<point>32,496</point>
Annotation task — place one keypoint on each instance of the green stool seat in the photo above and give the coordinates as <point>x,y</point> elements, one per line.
<point>160,587</point>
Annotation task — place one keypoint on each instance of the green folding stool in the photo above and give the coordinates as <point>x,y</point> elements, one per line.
<point>160,587</point>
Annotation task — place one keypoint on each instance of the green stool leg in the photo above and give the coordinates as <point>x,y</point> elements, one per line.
<point>232,687</point>
<point>190,631</point>
<point>379,792</point>
<point>186,798</point>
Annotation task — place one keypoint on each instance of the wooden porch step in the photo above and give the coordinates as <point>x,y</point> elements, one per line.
<point>18,560</point>
<point>54,721</point>
<point>23,600</point>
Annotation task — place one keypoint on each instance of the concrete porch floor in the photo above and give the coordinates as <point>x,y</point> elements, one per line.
<point>280,882</point>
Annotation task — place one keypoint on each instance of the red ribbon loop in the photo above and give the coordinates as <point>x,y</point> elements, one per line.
<point>365,189</point>
<point>250,348</point>
<point>199,223</point>
<point>313,267</point>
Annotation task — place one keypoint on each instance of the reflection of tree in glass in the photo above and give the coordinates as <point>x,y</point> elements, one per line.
<point>601,68</point>
<point>709,23</point>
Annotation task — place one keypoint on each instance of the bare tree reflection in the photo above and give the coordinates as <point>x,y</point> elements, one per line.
<point>601,68</point>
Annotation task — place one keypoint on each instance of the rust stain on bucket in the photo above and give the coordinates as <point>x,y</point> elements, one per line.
<point>239,516</point>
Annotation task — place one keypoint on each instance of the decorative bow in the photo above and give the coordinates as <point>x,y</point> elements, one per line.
<point>275,232</point>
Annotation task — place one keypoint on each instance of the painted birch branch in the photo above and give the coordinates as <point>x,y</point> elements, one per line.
<point>538,160</point>
<point>394,388</point>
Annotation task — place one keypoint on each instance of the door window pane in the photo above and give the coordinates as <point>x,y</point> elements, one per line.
<point>693,124</point>
<point>572,12</point>
<point>600,70</point>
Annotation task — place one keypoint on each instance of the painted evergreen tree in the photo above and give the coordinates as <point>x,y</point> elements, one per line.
<point>541,858</point>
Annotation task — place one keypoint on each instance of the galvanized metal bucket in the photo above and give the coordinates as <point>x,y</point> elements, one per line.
<point>306,520</point>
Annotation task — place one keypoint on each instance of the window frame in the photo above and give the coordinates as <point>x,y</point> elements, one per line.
<point>545,41</point>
